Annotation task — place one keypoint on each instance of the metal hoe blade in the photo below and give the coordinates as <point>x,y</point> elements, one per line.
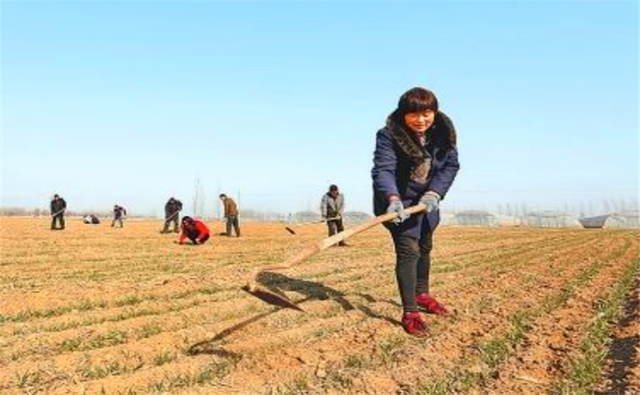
<point>270,297</point>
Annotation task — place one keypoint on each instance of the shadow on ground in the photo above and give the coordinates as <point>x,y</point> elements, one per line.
<point>279,283</point>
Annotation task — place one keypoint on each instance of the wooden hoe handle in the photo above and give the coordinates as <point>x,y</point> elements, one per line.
<point>335,239</point>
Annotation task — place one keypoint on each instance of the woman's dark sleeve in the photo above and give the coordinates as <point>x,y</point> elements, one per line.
<point>385,163</point>
<point>443,179</point>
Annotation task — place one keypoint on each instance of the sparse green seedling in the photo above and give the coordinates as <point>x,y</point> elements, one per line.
<point>356,361</point>
<point>164,357</point>
<point>129,301</point>
<point>148,331</point>
<point>27,379</point>
<point>391,348</point>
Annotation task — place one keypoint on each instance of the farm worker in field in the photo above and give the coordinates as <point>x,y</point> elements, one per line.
<point>119,213</point>
<point>194,230</point>
<point>231,214</point>
<point>90,219</point>
<point>171,214</point>
<point>332,209</point>
<point>415,161</point>
<point>58,207</point>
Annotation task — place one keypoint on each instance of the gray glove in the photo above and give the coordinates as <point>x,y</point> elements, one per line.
<point>396,206</point>
<point>431,200</point>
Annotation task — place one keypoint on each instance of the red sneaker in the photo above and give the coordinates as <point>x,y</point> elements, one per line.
<point>414,324</point>
<point>431,305</point>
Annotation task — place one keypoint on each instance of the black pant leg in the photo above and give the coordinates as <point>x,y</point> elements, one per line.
<point>167,221</point>
<point>236,225</point>
<point>57,219</point>
<point>339,225</point>
<point>424,263</point>
<point>407,254</point>
<point>340,228</point>
<point>193,235</point>
<point>331,225</point>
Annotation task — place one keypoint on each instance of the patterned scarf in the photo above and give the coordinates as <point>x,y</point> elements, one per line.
<point>409,143</point>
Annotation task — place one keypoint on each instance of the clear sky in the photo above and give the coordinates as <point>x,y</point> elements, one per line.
<point>117,102</point>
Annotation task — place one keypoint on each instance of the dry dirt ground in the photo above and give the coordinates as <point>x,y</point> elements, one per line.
<point>93,309</point>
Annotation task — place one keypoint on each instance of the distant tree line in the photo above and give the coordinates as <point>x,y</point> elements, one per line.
<point>579,210</point>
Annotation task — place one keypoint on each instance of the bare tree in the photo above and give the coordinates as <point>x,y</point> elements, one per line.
<point>510,210</point>
<point>198,198</point>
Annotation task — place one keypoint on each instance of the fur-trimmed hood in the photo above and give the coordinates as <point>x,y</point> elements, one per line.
<point>442,133</point>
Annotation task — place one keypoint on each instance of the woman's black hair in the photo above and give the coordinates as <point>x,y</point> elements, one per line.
<point>417,100</point>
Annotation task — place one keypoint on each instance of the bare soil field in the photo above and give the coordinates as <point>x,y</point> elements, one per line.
<point>98,310</point>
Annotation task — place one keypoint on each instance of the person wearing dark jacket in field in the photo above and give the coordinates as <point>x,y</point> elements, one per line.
<point>171,214</point>
<point>194,230</point>
<point>415,161</point>
<point>119,213</point>
<point>231,214</point>
<point>332,209</point>
<point>58,207</point>
<point>91,219</point>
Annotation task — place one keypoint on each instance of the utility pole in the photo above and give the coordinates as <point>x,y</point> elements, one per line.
<point>218,200</point>
<point>198,198</point>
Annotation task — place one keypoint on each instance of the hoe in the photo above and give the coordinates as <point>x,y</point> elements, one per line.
<point>293,232</point>
<point>278,298</point>
<point>58,212</point>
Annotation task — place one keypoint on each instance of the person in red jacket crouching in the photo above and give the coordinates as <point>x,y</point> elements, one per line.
<point>194,230</point>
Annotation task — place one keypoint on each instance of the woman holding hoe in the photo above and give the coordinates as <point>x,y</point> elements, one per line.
<point>415,161</point>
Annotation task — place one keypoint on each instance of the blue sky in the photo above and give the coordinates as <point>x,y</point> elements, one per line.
<point>115,102</point>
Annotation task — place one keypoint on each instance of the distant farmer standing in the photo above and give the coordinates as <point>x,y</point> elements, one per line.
<point>171,213</point>
<point>332,209</point>
<point>58,207</point>
<point>415,161</point>
<point>119,213</point>
<point>231,214</point>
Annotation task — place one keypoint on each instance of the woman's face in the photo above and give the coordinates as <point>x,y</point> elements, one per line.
<point>419,122</point>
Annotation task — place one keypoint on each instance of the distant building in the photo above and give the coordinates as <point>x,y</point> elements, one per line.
<point>594,222</point>
<point>475,218</point>
<point>623,220</point>
<point>550,219</point>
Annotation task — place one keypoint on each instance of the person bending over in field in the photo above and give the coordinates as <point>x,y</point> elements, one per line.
<point>119,214</point>
<point>171,214</point>
<point>415,161</point>
<point>231,214</point>
<point>58,207</point>
<point>332,209</point>
<point>194,230</point>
